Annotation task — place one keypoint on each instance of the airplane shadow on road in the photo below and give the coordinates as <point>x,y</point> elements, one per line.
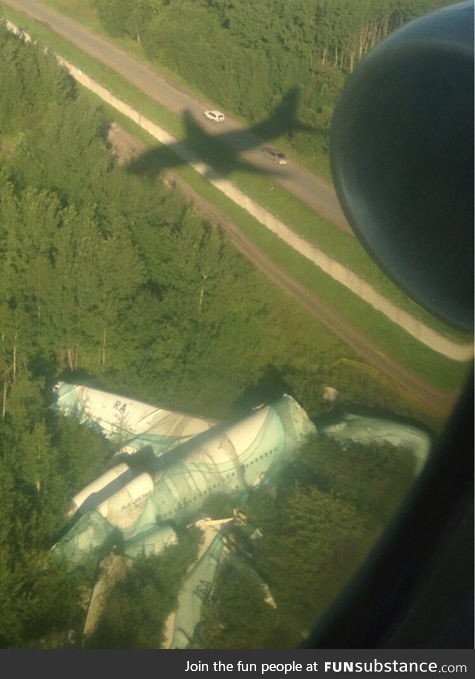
<point>221,152</point>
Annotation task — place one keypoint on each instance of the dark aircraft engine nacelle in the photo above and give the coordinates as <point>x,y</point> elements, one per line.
<point>402,159</point>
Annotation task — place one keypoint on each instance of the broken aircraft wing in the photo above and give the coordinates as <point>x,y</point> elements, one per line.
<point>131,424</point>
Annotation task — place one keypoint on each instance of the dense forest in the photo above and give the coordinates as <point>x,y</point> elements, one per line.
<point>113,280</point>
<point>246,55</point>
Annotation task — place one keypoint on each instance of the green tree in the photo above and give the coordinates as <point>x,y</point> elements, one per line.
<point>374,478</point>
<point>137,608</point>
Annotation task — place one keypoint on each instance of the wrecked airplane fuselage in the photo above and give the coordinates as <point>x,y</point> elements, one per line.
<point>135,503</point>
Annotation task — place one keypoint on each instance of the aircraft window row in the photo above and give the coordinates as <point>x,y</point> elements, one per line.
<point>259,457</point>
<point>184,502</point>
<point>199,494</point>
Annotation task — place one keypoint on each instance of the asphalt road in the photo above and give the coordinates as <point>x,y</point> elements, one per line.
<point>313,190</point>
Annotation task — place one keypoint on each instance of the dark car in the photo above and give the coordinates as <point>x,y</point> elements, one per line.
<point>276,155</point>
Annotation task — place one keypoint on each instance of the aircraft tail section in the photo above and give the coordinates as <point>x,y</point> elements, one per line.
<point>283,120</point>
<point>295,421</point>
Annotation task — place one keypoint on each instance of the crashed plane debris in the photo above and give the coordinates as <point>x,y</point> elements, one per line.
<point>168,464</point>
<point>182,461</point>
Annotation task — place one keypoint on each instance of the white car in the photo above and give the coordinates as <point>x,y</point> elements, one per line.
<point>215,116</point>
